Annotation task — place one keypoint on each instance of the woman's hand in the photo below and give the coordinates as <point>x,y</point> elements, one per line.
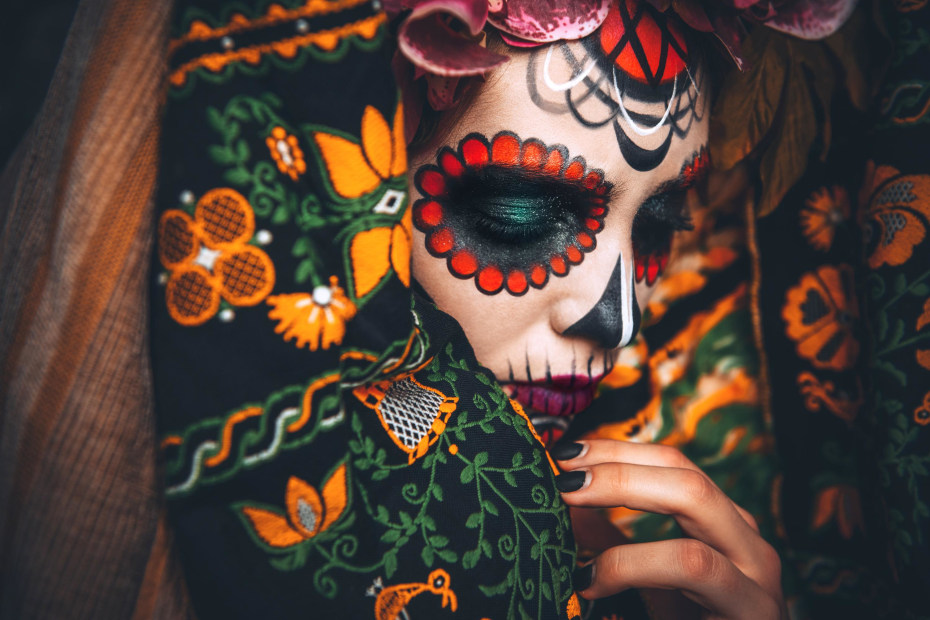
<point>724,566</point>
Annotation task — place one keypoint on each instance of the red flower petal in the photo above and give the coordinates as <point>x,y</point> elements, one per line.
<point>538,275</point>
<point>429,42</point>
<point>811,19</point>
<point>428,214</point>
<point>450,163</point>
<point>505,149</point>
<point>431,182</point>
<point>548,21</point>
<point>557,263</point>
<point>441,241</point>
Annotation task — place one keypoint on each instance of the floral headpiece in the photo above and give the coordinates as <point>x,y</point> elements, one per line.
<point>444,41</point>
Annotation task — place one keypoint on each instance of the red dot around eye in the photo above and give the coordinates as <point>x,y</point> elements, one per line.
<point>585,240</point>
<point>463,263</point>
<point>557,263</point>
<point>592,224</point>
<point>490,279</point>
<point>534,154</point>
<point>451,164</point>
<point>592,180</point>
<point>505,149</point>
<point>600,191</point>
<point>640,263</point>
<point>597,211</point>
<point>538,275</point>
<point>428,213</point>
<point>652,272</point>
<point>554,162</point>
<point>574,255</point>
<point>474,152</point>
<point>516,282</point>
<point>432,183</point>
<point>441,241</point>
<point>574,171</point>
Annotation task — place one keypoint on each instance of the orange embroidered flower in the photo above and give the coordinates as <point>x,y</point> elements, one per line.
<point>820,313</point>
<point>839,503</point>
<point>373,253</point>
<point>309,513</point>
<point>286,153</point>
<point>922,413</point>
<point>357,169</point>
<point>209,257</point>
<point>573,609</point>
<point>896,216</point>
<point>823,212</point>
<point>317,320</point>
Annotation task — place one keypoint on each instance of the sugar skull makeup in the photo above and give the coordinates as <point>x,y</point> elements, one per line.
<point>509,212</point>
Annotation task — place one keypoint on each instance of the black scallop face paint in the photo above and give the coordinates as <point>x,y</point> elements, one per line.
<point>614,319</point>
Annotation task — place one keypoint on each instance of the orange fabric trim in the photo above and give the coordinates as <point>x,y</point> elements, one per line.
<point>519,409</point>
<point>234,419</point>
<point>172,440</point>
<point>276,14</point>
<point>287,48</point>
<point>357,355</point>
<point>320,383</point>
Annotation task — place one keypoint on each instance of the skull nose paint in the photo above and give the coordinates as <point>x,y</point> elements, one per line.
<point>614,319</point>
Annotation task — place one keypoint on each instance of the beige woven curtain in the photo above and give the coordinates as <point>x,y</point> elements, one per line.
<point>82,533</point>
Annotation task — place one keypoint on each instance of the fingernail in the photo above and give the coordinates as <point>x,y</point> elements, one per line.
<point>583,577</point>
<point>570,481</point>
<point>567,451</point>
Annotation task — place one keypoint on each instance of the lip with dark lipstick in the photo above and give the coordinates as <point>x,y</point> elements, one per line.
<point>556,396</point>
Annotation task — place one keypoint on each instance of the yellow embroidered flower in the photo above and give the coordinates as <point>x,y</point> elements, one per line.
<point>309,513</point>
<point>317,320</point>
<point>357,169</point>
<point>286,153</point>
<point>823,212</point>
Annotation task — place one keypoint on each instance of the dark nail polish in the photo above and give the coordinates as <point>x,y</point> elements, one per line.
<point>583,577</point>
<point>566,451</point>
<point>570,481</point>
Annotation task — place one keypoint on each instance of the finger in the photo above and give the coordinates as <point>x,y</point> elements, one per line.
<point>589,452</point>
<point>697,504</point>
<point>701,573</point>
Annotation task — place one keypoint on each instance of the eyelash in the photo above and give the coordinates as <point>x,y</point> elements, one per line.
<point>657,220</point>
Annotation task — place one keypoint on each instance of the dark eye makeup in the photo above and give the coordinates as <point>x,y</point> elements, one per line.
<point>661,216</point>
<point>509,212</point>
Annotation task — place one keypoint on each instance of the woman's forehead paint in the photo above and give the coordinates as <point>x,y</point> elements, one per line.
<point>509,212</point>
<point>614,319</point>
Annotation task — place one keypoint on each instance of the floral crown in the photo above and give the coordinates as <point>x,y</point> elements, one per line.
<point>443,42</point>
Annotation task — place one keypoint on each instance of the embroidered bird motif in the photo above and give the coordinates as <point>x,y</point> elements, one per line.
<point>392,601</point>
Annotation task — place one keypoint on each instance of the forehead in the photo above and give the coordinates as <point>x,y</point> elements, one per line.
<point>628,98</point>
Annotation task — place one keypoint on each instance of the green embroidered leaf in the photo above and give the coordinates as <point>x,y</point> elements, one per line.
<point>238,176</point>
<point>216,120</point>
<point>439,541</point>
<point>921,290</point>
<point>380,474</point>
<point>473,520</point>
<point>405,519</point>
<point>900,283</point>
<point>437,491</point>
<point>448,555</point>
<point>390,563</point>
<point>467,475</point>
<point>390,536</point>
<point>470,559</point>
<point>481,459</point>
<point>486,547</point>
<point>428,556</point>
<point>546,590</point>
<point>510,479</point>
<point>490,507</point>
<point>517,459</point>
<point>500,588</point>
<point>281,215</point>
<point>381,513</point>
<point>428,523</point>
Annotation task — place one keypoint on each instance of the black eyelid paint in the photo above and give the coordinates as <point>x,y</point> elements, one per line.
<point>614,320</point>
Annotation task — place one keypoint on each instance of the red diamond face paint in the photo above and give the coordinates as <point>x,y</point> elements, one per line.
<point>509,212</point>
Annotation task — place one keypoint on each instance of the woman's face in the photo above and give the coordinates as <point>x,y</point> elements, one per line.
<point>543,217</point>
